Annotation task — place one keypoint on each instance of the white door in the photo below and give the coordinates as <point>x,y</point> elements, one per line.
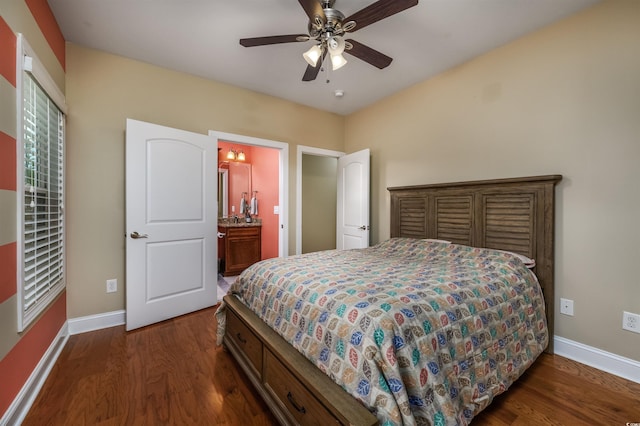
<point>352,225</point>
<point>171,211</point>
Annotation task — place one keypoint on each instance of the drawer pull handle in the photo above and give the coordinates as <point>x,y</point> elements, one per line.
<point>295,405</point>
<point>240,339</point>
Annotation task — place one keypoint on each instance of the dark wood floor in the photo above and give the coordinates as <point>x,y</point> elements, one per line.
<point>173,374</point>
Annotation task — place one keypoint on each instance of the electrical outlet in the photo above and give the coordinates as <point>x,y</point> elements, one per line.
<point>112,286</point>
<point>566,307</point>
<point>631,322</point>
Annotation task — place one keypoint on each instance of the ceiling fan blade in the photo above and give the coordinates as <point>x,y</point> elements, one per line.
<point>314,10</point>
<point>311,73</point>
<point>377,11</point>
<point>367,54</point>
<point>262,41</point>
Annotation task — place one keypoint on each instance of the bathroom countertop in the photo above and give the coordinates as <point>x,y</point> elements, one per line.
<point>241,223</point>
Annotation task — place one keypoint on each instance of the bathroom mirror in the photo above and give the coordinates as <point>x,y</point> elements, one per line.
<point>223,192</point>
<point>234,178</point>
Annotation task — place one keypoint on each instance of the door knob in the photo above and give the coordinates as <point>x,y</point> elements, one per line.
<point>363,228</point>
<point>136,236</point>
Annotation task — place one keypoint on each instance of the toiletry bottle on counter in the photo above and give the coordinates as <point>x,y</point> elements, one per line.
<point>247,216</point>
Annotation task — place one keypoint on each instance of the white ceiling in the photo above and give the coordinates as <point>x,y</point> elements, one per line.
<point>200,37</point>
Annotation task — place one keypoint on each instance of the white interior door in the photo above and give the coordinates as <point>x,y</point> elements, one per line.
<point>352,224</point>
<point>171,213</point>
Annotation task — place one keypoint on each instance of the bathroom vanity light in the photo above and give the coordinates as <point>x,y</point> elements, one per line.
<point>235,155</point>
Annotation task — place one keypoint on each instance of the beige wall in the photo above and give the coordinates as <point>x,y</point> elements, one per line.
<point>319,202</point>
<point>102,92</point>
<point>562,100</point>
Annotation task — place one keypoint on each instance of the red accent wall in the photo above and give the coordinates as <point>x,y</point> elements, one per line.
<point>21,360</point>
<point>8,265</point>
<point>7,162</point>
<point>47,22</point>
<point>8,255</point>
<point>7,55</point>
<point>17,365</point>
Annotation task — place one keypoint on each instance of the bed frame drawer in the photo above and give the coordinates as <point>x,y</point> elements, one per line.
<point>245,340</point>
<point>297,401</point>
<point>286,371</point>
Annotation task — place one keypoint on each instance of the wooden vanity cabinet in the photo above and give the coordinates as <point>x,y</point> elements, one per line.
<point>241,248</point>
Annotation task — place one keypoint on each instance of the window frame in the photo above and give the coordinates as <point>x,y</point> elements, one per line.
<point>27,62</point>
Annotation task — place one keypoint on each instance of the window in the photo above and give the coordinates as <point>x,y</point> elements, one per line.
<point>41,182</point>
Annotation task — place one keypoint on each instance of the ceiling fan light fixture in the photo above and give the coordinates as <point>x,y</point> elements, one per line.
<point>338,61</point>
<point>327,28</point>
<point>335,45</point>
<point>313,55</point>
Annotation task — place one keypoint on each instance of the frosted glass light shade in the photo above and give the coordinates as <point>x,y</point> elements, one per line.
<point>338,61</point>
<point>312,55</point>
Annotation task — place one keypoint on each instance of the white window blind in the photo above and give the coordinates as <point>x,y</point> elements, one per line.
<point>41,181</point>
<point>43,165</point>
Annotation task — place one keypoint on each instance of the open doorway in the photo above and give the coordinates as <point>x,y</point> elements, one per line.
<point>316,194</point>
<point>272,209</point>
<point>319,202</point>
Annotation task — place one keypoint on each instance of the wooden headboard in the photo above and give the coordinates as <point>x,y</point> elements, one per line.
<point>508,214</point>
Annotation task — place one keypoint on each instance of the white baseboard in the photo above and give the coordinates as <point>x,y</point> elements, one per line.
<point>20,406</point>
<point>96,322</point>
<point>597,358</point>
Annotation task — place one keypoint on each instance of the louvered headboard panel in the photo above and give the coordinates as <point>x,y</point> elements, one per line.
<point>454,218</point>
<point>509,222</point>
<point>508,214</point>
<point>413,216</point>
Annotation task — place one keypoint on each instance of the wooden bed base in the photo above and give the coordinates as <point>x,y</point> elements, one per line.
<point>508,214</point>
<point>295,390</point>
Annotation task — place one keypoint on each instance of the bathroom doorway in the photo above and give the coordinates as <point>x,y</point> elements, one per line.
<point>268,162</point>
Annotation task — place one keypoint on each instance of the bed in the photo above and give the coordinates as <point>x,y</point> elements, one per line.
<point>424,328</point>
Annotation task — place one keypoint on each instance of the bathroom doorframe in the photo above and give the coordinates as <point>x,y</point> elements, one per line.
<point>306,150</point>
<point>283,178</point>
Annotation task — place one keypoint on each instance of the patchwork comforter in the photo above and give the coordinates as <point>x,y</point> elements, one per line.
<point>421,332</point>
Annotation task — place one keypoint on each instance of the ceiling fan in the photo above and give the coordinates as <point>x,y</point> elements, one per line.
<point>327,26</point>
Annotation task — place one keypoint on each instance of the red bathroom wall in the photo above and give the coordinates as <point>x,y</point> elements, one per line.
<point>265,179</point>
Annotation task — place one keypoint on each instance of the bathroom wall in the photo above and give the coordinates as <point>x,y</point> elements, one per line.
<point>264,179</point>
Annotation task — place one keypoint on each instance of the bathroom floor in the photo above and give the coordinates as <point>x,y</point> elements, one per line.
<point>223,285</point>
